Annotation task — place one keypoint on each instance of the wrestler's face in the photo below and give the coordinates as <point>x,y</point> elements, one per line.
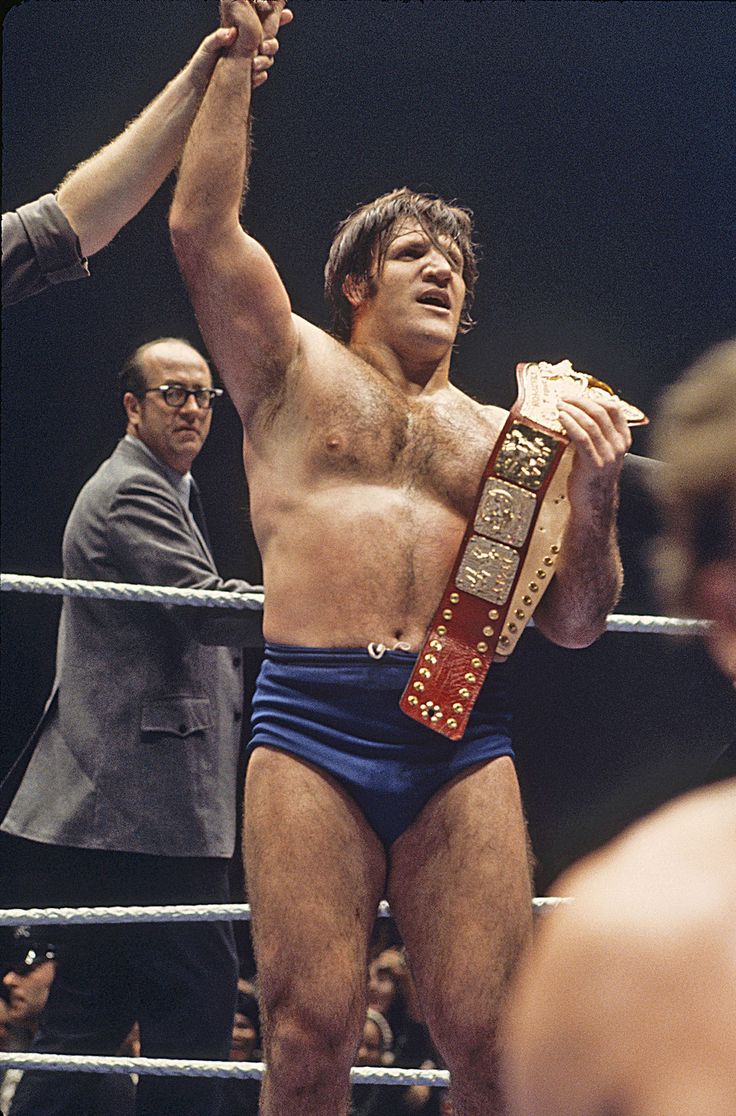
<point>28,992</point>
<point>416,298</point>
<point>175,434</point>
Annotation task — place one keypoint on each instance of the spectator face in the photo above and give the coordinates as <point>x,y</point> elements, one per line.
<point>131,1044</point>
<point>694,434</point>
<point>243,1043</point>
<point>370,1050</point>
<point>29,991</point>
<point>381,987</point>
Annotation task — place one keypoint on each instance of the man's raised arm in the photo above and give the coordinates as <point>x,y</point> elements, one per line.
<point>48,241</point>
<point>240,302</point>
<point>102,194</point>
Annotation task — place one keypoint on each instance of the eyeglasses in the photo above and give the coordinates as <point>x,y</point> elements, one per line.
<point>174,395</point>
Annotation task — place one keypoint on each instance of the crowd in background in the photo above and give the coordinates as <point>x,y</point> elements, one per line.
<point>393,1033</point>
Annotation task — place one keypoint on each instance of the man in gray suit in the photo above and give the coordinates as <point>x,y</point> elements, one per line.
<point>131,789</point>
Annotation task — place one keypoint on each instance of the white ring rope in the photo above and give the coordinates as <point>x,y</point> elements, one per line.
<point>183,1067</point>
<point>205,912</point>
<point>214,598</point>
<point>210,912</point>
<point>185,912</point>
<point>118,591</point>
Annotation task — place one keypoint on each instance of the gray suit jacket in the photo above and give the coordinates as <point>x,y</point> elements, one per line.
<point>137,749</point>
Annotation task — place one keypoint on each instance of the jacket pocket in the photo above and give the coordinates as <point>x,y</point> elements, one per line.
<point>176,716</point>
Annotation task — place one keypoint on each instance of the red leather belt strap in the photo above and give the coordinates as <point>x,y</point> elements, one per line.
<point>508,553</point>
<point>471,620</point>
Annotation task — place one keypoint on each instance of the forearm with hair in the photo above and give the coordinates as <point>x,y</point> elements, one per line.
<point>107,190</point>
<point>587,581</point>
<point>213,175</point>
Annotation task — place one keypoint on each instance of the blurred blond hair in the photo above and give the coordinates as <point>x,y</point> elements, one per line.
<point>695,434</point>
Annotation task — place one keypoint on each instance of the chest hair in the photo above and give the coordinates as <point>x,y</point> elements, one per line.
<point>359,426</point>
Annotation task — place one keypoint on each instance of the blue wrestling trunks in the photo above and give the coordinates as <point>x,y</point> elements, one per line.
<point>338,708</point>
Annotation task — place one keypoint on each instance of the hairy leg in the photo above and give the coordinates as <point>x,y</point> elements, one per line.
<point>460,889</point>
<point>315,873</point>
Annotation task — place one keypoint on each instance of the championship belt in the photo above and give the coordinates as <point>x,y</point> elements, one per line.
<point>508,553</point>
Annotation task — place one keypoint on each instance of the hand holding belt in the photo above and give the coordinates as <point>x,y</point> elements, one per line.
<point>508,552</point>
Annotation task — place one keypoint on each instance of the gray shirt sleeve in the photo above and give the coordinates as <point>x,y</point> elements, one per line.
<point>40,249</point>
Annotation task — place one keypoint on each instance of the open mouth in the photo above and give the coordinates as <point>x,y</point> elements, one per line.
<point>440,299</point>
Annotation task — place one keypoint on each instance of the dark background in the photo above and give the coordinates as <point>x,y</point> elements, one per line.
<point>595,144</point>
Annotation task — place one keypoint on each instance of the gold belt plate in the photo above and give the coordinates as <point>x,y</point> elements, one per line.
<point>505,512</point>
<point>526,456</point>
<point>487,569</point>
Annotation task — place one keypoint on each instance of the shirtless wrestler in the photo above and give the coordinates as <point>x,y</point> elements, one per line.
<point>362,461</point>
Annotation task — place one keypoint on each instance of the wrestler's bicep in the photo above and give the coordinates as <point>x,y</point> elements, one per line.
<point>244,314</point>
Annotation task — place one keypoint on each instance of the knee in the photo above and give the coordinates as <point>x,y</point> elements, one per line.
<point>475,1074</point>
<point>469,1046</point>
<point>309,1043</point>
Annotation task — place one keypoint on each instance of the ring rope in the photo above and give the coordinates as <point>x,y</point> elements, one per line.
<point>202,598</point>
<point>120,591</point>
<point>184,912</point>
<point>182,1067</point>
<point>215,598</point>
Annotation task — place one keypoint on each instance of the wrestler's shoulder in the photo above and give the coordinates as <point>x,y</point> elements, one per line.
<point>319,348</point>
<point>494,414</point>
<point>489,413</point>
<point>312,335</point>
<point>673,867</point>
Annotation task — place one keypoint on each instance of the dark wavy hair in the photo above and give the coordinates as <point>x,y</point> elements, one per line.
<point>359,247</point>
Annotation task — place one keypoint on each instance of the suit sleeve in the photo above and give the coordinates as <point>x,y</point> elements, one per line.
<point>40,249</point>
<point>152,543</point>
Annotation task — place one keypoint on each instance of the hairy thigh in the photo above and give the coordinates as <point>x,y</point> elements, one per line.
<point>315,872</point>
<point>460,888</point>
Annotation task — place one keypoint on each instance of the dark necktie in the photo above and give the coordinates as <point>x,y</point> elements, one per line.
<point>195,507</point>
